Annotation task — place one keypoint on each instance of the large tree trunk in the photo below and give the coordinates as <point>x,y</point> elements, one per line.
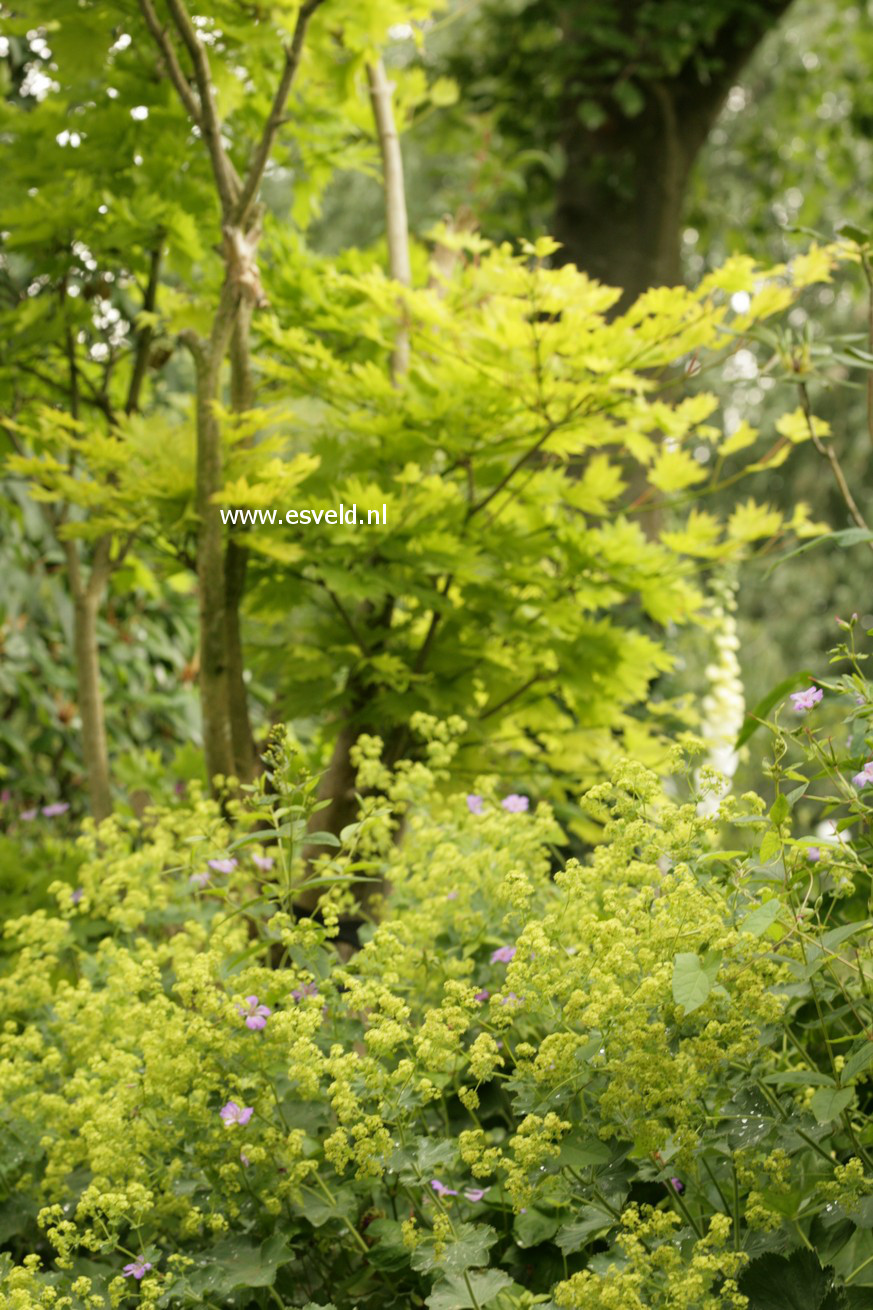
<point>618,208</point>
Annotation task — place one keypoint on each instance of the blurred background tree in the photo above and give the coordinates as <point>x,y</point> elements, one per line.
<point>653,138</point>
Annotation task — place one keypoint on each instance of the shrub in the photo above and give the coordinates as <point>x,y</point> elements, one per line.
<point>637,1082</point>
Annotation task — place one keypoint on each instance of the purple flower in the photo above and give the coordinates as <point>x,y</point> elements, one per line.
<point>515,804</point>
<point>441,1189</point>
<point>483,995</point>
<point>475,804</point>
<point>677,1185</point>
<point>27,815</point>
<point>451,896</point>
<point>804,700</point>
<point>179,787</point>
<point>201,879</point>
<point>222,866</point>
<point>5,796</point>
<point>236,1114</point>
<point>475,1194</point>
<point>511,999</point>
<point>57,807</point>
<point>76,895</point>
<point>305,989</point>
<point>263,862</point>
<point>813,853</point>
<point>137,1269</point>
<point>255,1015</point>
<point>860,779</point>
<point>503,955</point>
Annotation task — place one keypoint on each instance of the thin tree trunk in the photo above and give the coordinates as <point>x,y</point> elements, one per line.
<point>87,599</point>
<point>245,753</point>
<point>94,748</point>
<point>396,222</point>
<point>214,672</point>
<point>338,782</point>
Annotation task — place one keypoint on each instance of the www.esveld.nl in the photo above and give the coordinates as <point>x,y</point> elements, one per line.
<point>277,517</point>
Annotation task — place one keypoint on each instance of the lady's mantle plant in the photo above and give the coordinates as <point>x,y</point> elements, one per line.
<point>637,1082</point>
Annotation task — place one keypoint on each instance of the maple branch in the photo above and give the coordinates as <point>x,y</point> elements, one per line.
<point>293,52</point>
<point>146,333</point>
<point>209,125</point>
<point>174,68</point>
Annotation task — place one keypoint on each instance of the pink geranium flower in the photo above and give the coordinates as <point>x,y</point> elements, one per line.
<point>232,1113</point>
<point>137,1269</point>
<point>805,700</point>
<point>255,1015</point>
<point>503,955</point>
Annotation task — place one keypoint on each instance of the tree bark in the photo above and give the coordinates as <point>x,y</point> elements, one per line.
<point>619,204</point>
<point>214,671</point>
<point>94,748</point>
<point>87,599</point>
<point>245,753</point>
<point>396,222</point>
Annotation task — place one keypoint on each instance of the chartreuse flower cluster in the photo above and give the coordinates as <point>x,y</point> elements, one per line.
<point>592,1085</point>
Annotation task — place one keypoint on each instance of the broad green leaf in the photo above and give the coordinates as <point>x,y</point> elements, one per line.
<point>454,1294</point>
<point>691,982</point>
<point>828,1104</point>
<point>857,1063</point>
<point>468,1249</point>
<point>799,1078</point>
<point>534,1227</point>
<point>795,1282</point>
<point>591,1223</point>
<point>771,845</point>
<point>757,921</point>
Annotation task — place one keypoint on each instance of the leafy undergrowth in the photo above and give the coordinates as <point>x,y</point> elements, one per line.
<point>642,1081</point>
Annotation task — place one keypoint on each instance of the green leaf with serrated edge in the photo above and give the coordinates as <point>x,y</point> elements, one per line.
<point>771,845</point>
<point>467,1250</point>
<point>591,1223</point>
<point>780,809</point>
<point>455,1294</point>
<point>795,1282</point>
